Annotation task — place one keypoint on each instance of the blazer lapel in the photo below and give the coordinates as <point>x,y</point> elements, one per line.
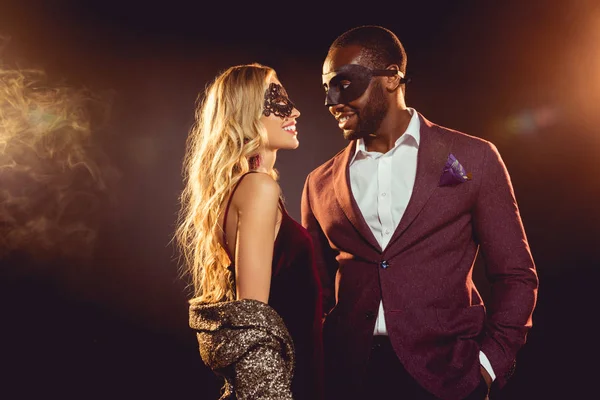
<point>343,192</point>
<point>433,153</point>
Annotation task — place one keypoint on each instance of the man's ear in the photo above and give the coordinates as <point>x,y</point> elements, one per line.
<point>394,82</point>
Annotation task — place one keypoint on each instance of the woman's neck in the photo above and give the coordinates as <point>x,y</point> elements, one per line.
<point>267,161</point>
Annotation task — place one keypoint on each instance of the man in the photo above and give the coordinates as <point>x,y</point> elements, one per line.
<point>397,219</point>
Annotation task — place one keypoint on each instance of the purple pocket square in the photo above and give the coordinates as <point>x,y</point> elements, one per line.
<point>453,172</point>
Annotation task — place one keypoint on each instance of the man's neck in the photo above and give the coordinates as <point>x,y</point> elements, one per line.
<point>392,127</point>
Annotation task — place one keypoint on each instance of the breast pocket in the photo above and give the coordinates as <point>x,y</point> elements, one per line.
<point>453,190</point>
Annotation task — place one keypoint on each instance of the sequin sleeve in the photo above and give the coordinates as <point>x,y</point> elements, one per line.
<point>247,343</point>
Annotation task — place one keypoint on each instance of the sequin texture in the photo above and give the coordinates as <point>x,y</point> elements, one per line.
<point>247,343</point>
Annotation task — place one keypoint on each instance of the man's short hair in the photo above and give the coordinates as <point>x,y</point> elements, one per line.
<point>381,47</point>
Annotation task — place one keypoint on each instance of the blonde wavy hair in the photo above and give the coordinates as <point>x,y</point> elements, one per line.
<point>226,134</point>
<point>54,177</point>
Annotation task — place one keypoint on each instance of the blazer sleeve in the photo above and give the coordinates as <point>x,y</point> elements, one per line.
<point>325,261</point>
<point>509,264</point>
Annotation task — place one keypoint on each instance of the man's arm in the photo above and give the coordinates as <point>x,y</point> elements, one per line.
<point>510,268</point>
<point>325,261</point>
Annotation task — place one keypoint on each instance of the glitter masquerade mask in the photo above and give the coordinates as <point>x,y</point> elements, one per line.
<point>277,102</point>
<point>350,81</point>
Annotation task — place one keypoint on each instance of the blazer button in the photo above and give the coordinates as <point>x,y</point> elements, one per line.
<point>384,264</point>
<point>369,315</point>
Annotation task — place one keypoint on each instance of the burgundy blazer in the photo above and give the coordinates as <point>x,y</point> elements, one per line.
<point>435,316</point>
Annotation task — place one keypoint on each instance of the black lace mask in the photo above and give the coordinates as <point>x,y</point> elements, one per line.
<point>277,102</point>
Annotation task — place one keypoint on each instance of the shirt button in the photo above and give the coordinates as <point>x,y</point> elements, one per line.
<point>384,264</point>
<point>387,232</point>
<point>383,194</point>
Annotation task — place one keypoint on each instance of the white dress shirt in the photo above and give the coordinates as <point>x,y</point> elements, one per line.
<point>382,185</point>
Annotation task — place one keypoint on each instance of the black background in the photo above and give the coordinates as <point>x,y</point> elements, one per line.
<point>117,327</point>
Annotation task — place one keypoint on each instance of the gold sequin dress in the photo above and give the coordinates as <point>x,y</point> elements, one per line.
<point>247,343</point>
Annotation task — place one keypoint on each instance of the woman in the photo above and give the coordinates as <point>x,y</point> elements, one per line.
<point>256,306</point>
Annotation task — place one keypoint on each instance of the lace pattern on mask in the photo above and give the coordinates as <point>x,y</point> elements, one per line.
<point>277,102</point>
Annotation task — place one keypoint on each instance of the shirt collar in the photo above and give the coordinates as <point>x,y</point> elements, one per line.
<point>412,131</point>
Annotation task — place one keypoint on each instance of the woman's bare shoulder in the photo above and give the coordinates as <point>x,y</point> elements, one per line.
<point>257,189</point>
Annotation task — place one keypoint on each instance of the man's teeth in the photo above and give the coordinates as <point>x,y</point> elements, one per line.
<point>344,119</point>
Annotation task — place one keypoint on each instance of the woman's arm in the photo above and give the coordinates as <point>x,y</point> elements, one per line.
<point>256,202</point>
